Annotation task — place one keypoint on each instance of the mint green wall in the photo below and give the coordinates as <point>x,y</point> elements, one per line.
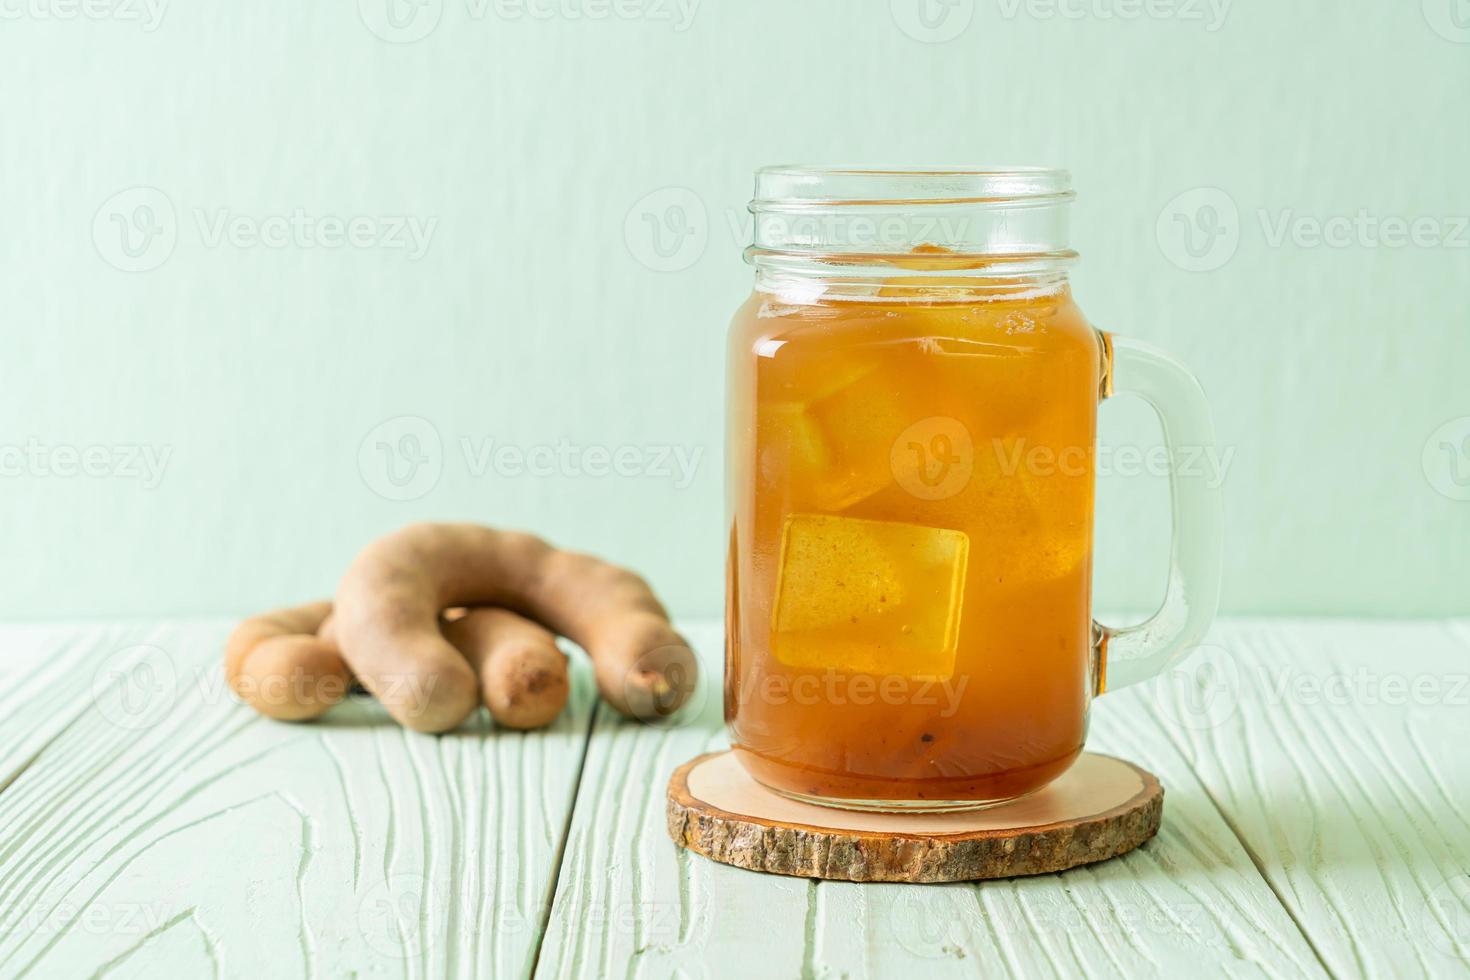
<point>526,303</point>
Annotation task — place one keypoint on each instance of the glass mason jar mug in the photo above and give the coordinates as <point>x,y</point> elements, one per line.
<point>911,438</point>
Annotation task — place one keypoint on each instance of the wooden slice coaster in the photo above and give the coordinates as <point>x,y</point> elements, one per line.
<point>1100,808</point>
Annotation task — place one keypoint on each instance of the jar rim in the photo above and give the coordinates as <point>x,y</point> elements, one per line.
<point>811,211</point>
<point>829,184</point>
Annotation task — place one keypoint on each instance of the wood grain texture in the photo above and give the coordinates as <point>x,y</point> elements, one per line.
<point>1339,752</point>
<point>165,830</point>
<point>1317,775</point>
<point>754,838</point>
<point>1190,902</point>
<point>45,677</point>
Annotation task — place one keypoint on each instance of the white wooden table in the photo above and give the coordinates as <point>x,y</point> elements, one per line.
<point>1317,822</point>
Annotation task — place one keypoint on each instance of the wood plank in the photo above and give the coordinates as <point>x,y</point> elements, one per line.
<point>1340,753</point>
<point>204,839</point>
<point>1190,902</point>
<point>45,681</point>
<point>165,830</point>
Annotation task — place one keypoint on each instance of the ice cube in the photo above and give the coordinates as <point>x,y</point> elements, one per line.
<point>964,347</point>
<point>1005,378</point>
<point>1036,513</point>
<point>871,597</point>
<point>832,446</point>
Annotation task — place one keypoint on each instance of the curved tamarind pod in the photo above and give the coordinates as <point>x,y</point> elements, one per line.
<point>277,664</point>
<point>643,667</point>
<point>388,604</point>
<point>523,675</point>
<point>522,672</point>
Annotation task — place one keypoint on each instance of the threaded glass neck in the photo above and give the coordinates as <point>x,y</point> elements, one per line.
<point>915,224</point>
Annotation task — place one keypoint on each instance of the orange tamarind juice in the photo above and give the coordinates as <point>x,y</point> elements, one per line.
<point>910,486</point>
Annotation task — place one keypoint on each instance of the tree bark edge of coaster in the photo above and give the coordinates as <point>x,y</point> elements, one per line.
<point>1071,833</point>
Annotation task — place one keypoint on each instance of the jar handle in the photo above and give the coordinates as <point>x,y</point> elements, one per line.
<point>1135,653</point>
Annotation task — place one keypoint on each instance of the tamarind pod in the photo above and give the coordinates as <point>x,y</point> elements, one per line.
<point>327,632</point>
<point>523,675</point>
<point>522,672</point>
<point>643,667</point>
<point>388,604</point>
<point>386,621</point>
<point>277,664</point>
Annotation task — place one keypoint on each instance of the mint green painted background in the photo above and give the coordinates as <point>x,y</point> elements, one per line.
<point>531,319</point>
